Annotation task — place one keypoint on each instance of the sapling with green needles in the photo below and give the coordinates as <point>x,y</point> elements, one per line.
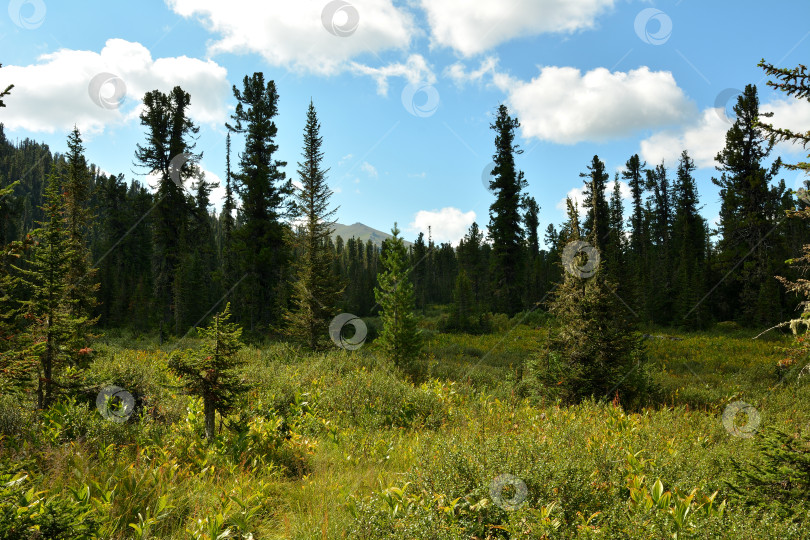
<point>212,372</point>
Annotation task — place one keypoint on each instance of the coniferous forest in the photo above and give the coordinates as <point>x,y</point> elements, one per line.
<point>168,370</point>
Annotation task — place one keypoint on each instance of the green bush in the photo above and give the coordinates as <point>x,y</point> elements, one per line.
<point>27,514</point>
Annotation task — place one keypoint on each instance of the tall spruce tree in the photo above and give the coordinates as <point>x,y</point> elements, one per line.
<point>505,219</point>
<point>168,153</point>
<point>689,232</point>
<point>400,338</point>
<point>228,225</point>
<point>45,276</point>
<point>531,219</point>
<point>419,274</point>
<point>82,290</point>
<point>597,213</point>
<point>264,191</point>
<point>658,284</point>
<point>616,246</point>
<point>634,174</point>
<point>316,289</point>
<point>593,350</point>
<point>747,217</point>
<point>794,82</point>
<point>195,288</point>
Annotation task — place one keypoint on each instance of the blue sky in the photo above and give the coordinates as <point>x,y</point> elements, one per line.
<point>406,91</point>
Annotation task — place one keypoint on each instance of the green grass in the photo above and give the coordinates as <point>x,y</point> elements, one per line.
<point>340,445</point>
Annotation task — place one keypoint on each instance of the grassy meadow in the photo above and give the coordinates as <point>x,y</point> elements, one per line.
<point>339,445</point>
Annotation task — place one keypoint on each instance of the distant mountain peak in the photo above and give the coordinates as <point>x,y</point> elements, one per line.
<point>361,232</point>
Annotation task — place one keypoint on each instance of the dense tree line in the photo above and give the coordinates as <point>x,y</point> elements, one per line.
<point>161,259</point>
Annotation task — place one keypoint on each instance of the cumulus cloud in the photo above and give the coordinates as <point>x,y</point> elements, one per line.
<point>447,225</point>
<point>563,105</point>
<point>705,135</point>
<point>55,93</point>
<point>473,27</point>
<point>703,139</point>
<point>577,194</point>
<point>297,35</point>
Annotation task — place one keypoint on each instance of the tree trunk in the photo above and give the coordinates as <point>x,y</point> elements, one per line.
<point>210,417</point>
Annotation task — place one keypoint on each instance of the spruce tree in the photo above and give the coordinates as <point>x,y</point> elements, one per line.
<point>195,289</point>
<point>168,153</point>
<point>616,245</point>
<point>504,216</point>
<point>45,276</point>
<point>400,338</point>
<point>82,290</point>
<point>264,190</point>
<point>794,82</point>
<point>597,212</point>
<point>212,372</point>
<point>659,262</point>
<point>747,217</point>
<point>419,274</point>
<point>634,174</point>
<point>593,350</point>
<point>689,232</point>
<point>462,314</point>
<point>16,366</point>
<point>227,258</point>
<point>316,289</point>
<point>473,257</point>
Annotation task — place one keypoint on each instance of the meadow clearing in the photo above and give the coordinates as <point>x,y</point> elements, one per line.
<point>339,445</point>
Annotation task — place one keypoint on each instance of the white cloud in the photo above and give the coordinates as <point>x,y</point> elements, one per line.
<point>344,159</point>
<point>458,72</point>
<point>54,94</point>
<point>705,136</point>
<point>415,70</point>
<point>447,225</point>
<point>702,139</point>
<point>369,169</point>
<point>216,197</point>
<point>293,34</point>
<point>577,194</point>
<point>564,106</point>
<point>473,27</point>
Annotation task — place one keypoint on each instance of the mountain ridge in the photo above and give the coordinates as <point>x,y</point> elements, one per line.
<point>362,232</point>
